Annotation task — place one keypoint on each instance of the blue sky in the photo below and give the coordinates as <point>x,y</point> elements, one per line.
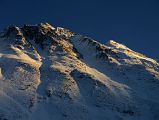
<point>134,23</point>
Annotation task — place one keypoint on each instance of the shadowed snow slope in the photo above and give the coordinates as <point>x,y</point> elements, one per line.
<point>49,73</point>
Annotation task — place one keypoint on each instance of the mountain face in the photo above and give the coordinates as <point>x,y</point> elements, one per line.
<point>49,73</point>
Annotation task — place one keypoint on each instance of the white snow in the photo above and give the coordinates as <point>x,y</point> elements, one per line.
<point>76,78</point>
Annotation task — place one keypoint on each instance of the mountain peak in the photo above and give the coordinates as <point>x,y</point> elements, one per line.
<point>46,26</point>
<point>115,44</point>
<point>120,48</point>
<point>30,30</point>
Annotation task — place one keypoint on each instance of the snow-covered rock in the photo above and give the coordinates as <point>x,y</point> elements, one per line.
<point>52,73</point>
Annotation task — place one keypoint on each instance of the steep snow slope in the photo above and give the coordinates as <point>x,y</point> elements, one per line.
<point>52,73</point>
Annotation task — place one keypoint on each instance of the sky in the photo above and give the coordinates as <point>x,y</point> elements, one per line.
<point>134,23</point>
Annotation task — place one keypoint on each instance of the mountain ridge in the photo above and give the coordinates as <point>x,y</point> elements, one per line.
<point>53,73</point>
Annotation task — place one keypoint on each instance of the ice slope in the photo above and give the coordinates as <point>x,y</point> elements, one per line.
<point>54,74</point>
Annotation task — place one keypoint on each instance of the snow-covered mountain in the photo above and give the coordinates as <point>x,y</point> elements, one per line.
<point>49,73</point>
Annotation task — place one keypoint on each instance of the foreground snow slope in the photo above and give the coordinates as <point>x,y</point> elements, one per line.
<point>53,74</point>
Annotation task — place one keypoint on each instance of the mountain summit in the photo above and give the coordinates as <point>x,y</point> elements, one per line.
<point>49,73</point>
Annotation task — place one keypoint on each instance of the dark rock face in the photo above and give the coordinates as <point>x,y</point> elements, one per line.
<point>42,34</point>
<point>12,31</point>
